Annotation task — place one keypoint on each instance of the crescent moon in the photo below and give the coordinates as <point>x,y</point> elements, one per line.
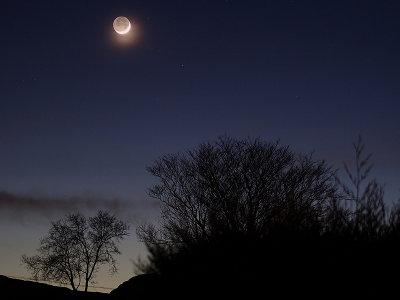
<point>122,25</point>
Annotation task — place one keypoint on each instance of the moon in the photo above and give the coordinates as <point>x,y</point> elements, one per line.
<point>122,25</point>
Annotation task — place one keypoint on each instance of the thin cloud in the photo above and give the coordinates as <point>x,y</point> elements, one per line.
<point>32,204</point>
<point>21,206</point>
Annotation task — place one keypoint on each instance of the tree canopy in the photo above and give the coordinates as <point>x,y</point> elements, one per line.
<point>246,188</point>
<point>257,211</point>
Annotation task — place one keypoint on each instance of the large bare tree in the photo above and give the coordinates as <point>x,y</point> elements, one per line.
<point>232,187</point>
<point>247,215</point>
<point>76,247</point>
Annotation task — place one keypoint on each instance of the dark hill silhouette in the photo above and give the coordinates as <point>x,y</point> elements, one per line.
<point>142,286</point>
<point>279,270</point>
<point>24,289</point>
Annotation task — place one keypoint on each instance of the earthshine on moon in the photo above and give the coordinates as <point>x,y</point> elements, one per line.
<point>122,25</point>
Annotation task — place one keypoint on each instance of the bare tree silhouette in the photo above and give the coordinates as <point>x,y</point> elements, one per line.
<point>75,247</point>
<point>227,207</point>
<point>246,213</point>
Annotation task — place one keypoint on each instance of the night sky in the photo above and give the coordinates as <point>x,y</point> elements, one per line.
<point>83,111</point>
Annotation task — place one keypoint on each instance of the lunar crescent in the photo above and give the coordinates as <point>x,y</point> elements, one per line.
<point>122,25</point>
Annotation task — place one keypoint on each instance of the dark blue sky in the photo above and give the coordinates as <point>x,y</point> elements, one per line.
<point>82,112</point>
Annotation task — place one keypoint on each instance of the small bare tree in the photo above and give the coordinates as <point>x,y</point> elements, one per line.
<point>75,247</point>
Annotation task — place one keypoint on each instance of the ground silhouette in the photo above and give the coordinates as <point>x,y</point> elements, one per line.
<point>24,289</point>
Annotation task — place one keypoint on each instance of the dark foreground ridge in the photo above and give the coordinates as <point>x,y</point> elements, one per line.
<point>23,289</point>
<point>279,286</point>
